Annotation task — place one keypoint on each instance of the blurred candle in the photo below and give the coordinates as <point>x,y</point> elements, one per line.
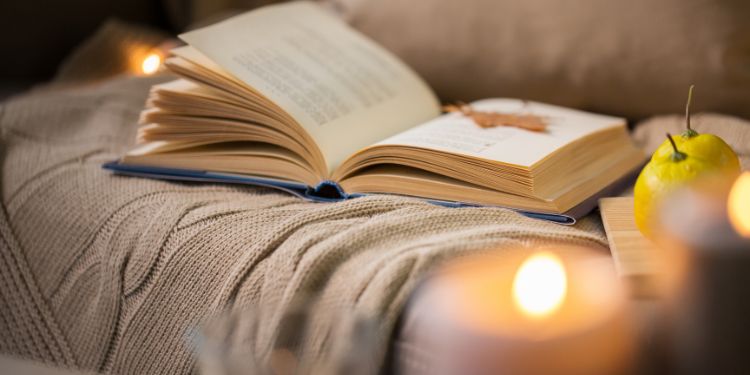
<point>540,285</point>
<point>712,214</point>
<point>703,234</point>
<point>546,311</point>
<point>151,63</point>
<point>738,205</point>
<point>148,59</point>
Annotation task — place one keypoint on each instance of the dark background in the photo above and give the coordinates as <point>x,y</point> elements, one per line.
<point>36,35</point>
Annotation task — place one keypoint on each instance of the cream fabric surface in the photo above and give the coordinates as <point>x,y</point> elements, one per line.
<point>117,274</point>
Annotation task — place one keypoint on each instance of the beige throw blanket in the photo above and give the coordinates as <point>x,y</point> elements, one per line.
<point>116,274</point>
<point>120,274</point>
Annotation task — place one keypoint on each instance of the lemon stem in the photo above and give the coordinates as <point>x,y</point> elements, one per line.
<point>676,155</point>
<point>689,132</point>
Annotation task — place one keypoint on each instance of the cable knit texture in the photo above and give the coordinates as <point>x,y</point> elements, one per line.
<point>115,274</point>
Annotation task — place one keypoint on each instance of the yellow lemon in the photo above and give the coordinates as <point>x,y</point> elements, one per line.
<point>663,174</point>
<point>705,146</point>
<point>676,162</point>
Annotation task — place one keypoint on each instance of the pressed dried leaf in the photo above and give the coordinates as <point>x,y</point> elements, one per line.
<point>493,119</point>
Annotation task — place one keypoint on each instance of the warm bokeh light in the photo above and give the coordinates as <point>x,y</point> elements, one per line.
<point>738,205</point>
<point>540,284</point>
<point>151,63</point>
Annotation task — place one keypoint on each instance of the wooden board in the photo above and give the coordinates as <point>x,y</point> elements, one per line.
<point>632,253</point>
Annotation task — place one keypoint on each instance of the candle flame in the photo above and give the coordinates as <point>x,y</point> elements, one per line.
<point>738,205</point>
<point>540,285</point>
<point>151,63</point>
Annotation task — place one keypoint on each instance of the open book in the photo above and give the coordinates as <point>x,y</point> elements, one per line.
<point>289,96</point>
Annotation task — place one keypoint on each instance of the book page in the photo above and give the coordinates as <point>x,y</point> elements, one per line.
<point>344,89</point>
<point>458,134</point>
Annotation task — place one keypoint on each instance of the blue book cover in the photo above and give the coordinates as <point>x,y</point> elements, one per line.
<point>330,191</point>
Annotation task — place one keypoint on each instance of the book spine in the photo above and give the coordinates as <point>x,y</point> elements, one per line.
<point>327,191</point>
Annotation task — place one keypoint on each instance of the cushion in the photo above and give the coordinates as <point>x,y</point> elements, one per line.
<point>631,58</point>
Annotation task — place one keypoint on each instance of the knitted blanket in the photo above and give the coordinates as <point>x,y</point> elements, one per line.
<point>126,275</point>
<point>119,274</point>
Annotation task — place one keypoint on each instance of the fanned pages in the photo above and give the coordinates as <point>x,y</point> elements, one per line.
<point>290,96</point>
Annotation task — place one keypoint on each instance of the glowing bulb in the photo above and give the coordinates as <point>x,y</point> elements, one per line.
<point>738,205</point>
<point>151,63</point>
<point>540,285</point>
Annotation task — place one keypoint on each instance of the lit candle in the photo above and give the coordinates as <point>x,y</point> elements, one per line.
<point>738,205</point>
<point>710,214</point>
<point>148,59</point>
<point>540,285</point>
<point>145,60</point>
<point>551,311</point>
<point>151,63</point>
<point>704,234</point>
